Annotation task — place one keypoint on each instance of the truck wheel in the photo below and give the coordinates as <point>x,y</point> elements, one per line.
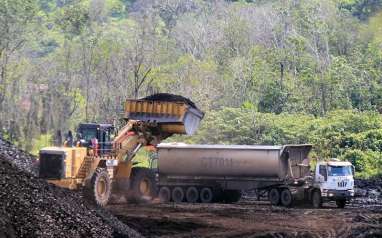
<point>192,194</point>
<point>177,194</point>
<point>206,195</point>
<point>143,184</point>
<point>286,197</point>
<point>274,196</point>
<point>341,203</point>
<point>99,189</point>
<point>316,199</point>
<point>164,194</point>
<point>231,196</point>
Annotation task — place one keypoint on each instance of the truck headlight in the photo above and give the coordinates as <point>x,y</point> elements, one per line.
<point>331,194</point>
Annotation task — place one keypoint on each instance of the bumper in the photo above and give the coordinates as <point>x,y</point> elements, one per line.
<point>338,194</point>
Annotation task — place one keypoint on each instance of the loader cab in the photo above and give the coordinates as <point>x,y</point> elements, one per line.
<point>104,133</point>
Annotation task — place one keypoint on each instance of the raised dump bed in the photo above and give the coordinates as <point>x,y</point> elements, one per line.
<point>174,114</point>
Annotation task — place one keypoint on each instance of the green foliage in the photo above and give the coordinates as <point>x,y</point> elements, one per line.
<point>265,72</point>
<point>367,163</point>
<point>73,19</point>
<point>361,8</point>
<point>43,140</point>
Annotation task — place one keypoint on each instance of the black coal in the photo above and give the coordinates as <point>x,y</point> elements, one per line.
<point>31,207</point>
<point>167,97</point>
<point>20,158</point>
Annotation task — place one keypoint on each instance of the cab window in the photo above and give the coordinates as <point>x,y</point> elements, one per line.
<point>340,170</point>
<point>322,171</point>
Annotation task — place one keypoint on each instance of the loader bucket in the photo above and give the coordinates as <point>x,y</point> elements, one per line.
<point>174,114</point>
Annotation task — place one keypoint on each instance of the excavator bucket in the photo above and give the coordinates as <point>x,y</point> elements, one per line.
<point>174,114</point>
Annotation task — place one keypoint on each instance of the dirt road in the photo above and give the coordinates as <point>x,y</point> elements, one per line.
<point>250,218</point>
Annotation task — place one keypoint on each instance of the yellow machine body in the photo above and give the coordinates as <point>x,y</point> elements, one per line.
<point>171,117</point>
<point>148,123</point>
<point>73,159</point>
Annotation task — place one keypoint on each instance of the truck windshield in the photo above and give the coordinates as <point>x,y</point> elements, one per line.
<point>88,134</point>
<point>339,170</point>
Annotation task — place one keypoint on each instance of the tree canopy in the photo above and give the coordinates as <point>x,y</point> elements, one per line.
<point>293,64</point>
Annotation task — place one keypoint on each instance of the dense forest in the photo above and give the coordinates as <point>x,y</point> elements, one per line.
<point>265,72</point>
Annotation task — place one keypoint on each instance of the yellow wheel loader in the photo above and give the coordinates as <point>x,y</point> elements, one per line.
<point>100,164</point>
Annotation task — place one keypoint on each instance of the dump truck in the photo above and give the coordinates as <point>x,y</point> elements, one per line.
<point>219,173</point>
<point>100,161</point>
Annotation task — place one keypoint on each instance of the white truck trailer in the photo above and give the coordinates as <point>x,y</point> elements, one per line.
<point>219,173</point>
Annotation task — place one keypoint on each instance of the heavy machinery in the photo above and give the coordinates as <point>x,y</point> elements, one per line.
<point>101,160</point>
<point>208,173</point>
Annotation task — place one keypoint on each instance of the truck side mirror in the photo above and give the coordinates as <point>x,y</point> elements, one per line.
<point>353,170</point>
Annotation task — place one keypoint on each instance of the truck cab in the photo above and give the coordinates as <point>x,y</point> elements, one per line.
<point>333,181</point>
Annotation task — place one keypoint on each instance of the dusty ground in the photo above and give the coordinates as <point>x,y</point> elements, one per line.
<point>250,218</point>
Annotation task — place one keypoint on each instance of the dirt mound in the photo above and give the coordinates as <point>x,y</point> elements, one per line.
<point>167,97</point>
<point>30,207</point>
<point>20,158</point>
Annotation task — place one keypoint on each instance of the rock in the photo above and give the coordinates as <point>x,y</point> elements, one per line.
<point>374,193</point>
<point>360,192</point>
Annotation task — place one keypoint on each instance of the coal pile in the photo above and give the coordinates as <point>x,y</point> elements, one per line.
<point>368,191</point>
<point>30,207</point>
<point>20,158</point>
<point>167,97</point>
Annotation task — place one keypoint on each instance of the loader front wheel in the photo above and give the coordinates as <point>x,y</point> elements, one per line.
<point>99,189</point>
<point>143,184</point>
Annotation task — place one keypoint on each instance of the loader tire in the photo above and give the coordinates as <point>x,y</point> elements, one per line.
<point>143,185</point>
<point>99,189</point>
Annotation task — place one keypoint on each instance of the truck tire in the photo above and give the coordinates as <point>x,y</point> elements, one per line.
<point>316,199</point>
<point>192,195</point>
<point>164,194</point>
<point>177,194</point>
<point>274,196</point>
<point>341,203</point>
<point>99,189</point>
<point>286,197</point>
<point>143,184</point>
<point>231,196</point>
<point>206,195</point>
